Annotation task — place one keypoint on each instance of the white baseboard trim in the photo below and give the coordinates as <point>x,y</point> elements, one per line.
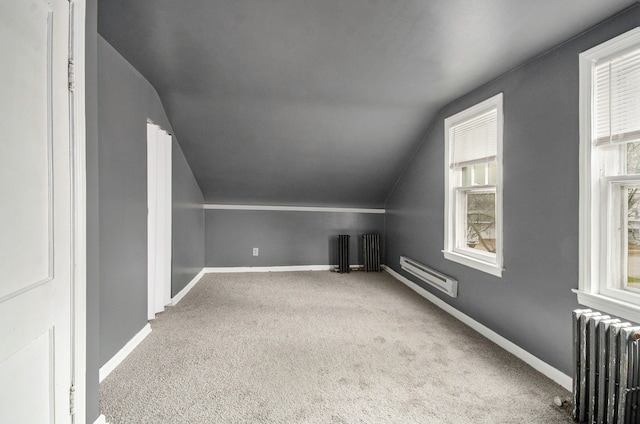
<point>291,208</point>
<point>273,268</point>
<point>177,298</point>
<point>112,363</point>
<point>546,369</point>
<point>100,420</point>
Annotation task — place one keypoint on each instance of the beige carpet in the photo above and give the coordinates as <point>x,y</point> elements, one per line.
<point>320,347</point>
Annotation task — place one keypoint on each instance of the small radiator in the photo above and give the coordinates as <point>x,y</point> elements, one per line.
<point>606,383</point>
<point>371,252</point>
<point>343,253</point>
<point>431,276</point>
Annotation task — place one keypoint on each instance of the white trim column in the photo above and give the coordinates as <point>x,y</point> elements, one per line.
<point>159,221</point>
<point>77,18</point>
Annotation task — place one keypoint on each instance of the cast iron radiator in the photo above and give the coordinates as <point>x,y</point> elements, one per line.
<point>343,253</point>
<point>606,383</point>
<point>371,252</point>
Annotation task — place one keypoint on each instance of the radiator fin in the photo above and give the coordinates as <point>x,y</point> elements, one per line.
<point>371,252</point>
<point>606,369</point>
<point>343,253</point>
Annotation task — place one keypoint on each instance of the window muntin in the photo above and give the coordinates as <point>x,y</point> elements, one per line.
<point>610,176</point>
<point>473,144</point>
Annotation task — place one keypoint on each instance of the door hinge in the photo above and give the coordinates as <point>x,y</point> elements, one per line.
<point>71,75</point>
<point>72,400</point>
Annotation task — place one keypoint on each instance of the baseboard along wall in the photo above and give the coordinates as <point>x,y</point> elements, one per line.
<point>112,363</point>
<point>292,268</point>
<point>178,297</point>
<point>101,420</point>
<point>213,270</point>
<point>538,364</point>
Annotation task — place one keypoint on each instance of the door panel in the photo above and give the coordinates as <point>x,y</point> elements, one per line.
<point>26,171</point>
<point>35,213</point>
<point>31,365</point>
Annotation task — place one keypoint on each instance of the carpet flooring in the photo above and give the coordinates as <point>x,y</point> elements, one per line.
<point>320,347</point>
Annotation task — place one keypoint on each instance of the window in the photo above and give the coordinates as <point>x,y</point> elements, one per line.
<point>473,187</point>
<point>610,176</point>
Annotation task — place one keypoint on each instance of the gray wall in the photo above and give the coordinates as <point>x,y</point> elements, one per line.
<point>284,238</point>
<point>187,236</point>
<point>531,305</point>
<point>125,101</point>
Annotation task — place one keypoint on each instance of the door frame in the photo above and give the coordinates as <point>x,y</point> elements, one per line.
<point>77,116</point>
<point>159,218</point>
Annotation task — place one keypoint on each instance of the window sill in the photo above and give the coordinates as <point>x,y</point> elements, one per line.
<point>474,263</point>
<point>609,305</point>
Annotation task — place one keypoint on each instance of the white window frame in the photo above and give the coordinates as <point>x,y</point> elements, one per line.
<point>596,196</point>
<point>489,263</point>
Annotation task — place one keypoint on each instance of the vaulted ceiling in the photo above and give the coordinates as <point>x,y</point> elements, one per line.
<point>323,102</point>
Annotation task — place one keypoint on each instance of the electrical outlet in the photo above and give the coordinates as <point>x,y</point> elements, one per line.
<point>256,251</point>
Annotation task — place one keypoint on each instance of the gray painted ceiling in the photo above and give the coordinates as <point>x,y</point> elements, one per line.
<point>322,102</point>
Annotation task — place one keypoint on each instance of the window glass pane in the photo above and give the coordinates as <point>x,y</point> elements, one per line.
<point>633,158</point>
<point>480,221</point>
<point>492,173</point>
<point>466,176</point>
<point>479,174</point>
<point>633,237</point>
<point>611,159</point>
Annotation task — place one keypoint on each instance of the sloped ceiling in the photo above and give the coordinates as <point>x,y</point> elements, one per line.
<point>322,102</point>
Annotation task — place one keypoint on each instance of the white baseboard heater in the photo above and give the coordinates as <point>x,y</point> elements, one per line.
<point>440,281</point>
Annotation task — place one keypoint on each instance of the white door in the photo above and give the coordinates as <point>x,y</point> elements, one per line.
<point>35,213</point>
<point>159,206</point>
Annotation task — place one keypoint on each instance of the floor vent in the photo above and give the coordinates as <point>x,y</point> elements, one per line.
<point>343,253</point>
<point>606,383</point>
<point>371,252</point>
<point>440,281</point>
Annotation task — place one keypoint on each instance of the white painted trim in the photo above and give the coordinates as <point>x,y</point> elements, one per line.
<point>594,251</point>
<point>473,263</point>
<point>609,305</point>
<point>546,369</point>
<point>210,270</point>
<point>112,363</point>
<point>178,297</point>
<point>159,218</point>
<point>79,207</point>
<point>493,265</point>
<point>100,420</point>
<point>222,270</point>
<point>152,218</point>
<point>291,208</point>
<point>168,219</point>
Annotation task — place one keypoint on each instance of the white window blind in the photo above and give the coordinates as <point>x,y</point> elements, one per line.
<point>474,140</point>
<point>617,99</point>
